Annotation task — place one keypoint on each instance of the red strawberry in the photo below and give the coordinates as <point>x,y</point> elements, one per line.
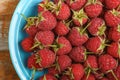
<point>98,74</point>
<point>104,79</point>
<point>95,44</point>
<point>45,58</point>
<point>112,18</point>
<point>97,27</point>
<point>77,36</point>
<point>116,73</point>
<point>62,28</point>
<point>76,4</point>
<point>64,77</point>
<point>43,39</point>
<point>79,17</point>
<point>62,46</point>
<point>102,1</point>
<point>114,49</point>
<point>112,4</point>
<point>48,77</point>
<point>78,54</point>
<point>31,31</point>
<point>90,77</point>
<point>93,8</point>
<point>46,21</point>
<point>91,62</point>
<point>107,63</point>
<point>114,33</point>
<point>53,71</point>
<point>62,11</point>
<point>40,7</point>
<point>27,44</point>
<point>31,62</point>
<point>76,72</point>
<point>63,62</point>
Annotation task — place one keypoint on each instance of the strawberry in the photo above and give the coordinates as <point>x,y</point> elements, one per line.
<point>79,17</point>
<point>95,44</point>
<point>91,62</point>
<point>90,77</point>
<point>63,62</point>
<point>31,31</point>
<point>75,72</point>
<point>46,21</point>
<point>62,46</point>
<point>40,7</point>
<point>27,44</point>
<point>78,54</point>
<point>53,71</point>
<point>77,36</point>
<point>62,11</point>
<point>104,78</point>
<point>64,77</point>
<point>31,62</point>
<point>102,1</point>
<point>93,8</point>
<point>97,27</point>
<point>98,74</point>
<point>116,76</point>
<point>45,58</point>
<point>112,18</point>
<point>48,77</point>
<point>107,63</point>
<point>114,49</point>
<point>43,39</point>
<point>114,33</point>
<point>76,4</point>
<point>112,4</point>
<point>62,28</point>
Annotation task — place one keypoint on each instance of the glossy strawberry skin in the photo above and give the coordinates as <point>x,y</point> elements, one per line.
<point>95,25</point>
<point>107,62</point>
<point>77,54</point>
<point>76,38</point>
<point>113,49</point>
<point>93,10</point>
<point>112,4</point>
<point>61,29</point>
<point>90,77</point>
<point>27,44</point>
<point>64,12</point>
<point>76,5</point>
<point>114,34</point>
<point>77,71</point>
<point>64,62</point>
<point>111,19</point>
<point>48,77</point>
<point>47,57</point>
<point>49,21</point>
<point>32,30</point>
<point>93,44</point>
<point>45,37</point>
<point>91,62</point>
<point>66,46</point>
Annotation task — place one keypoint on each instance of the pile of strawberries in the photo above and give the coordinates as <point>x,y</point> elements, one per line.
<point>75,40</point>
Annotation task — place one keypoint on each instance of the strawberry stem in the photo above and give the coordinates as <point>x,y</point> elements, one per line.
<point>85,28</point>
<point>114,74</point>
<point>33,74</point>
<point>88,74</point>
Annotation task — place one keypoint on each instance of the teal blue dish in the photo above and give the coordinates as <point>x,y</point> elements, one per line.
<point>16,34</point>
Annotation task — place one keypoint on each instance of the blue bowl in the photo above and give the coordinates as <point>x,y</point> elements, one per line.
<point>16,34</point>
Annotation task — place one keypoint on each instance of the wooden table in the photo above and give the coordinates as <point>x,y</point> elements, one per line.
<point>7,71</point>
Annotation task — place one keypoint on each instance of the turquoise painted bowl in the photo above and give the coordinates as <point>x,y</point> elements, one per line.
<point>16,34</point>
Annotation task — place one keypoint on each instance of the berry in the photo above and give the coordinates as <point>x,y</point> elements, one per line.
<point>79,17</point>
<point>64,77</point>
<point>78,54</point>
<point>114,49</point>
<point>112,18</point>
<point>95,44</point>
<point>107,63</point>
<point>46,21</point>
<point>27,44</point>
<point>47,77</point>
<point>77,36</point>
<point>90,77</point>
<point>53,71</point>
<point>93,9</point>
<point>104,79</point>
<point>97,27</point>
<point>76,4</point>
<point>112,4</point>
